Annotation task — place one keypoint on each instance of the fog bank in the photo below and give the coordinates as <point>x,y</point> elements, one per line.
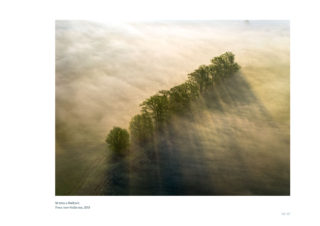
<point>104,71</point>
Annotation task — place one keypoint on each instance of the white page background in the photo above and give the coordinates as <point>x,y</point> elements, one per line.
<point>27,97</point>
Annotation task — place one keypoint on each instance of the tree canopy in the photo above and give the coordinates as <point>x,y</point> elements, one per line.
<point>181,96</point>
<point>202,77</point>
<point>156,110</point>
<point>118,139</point>
<point>157,106</point>
<point>223,66</point>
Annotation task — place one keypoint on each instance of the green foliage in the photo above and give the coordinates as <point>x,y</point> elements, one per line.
<point>223,66</point>
<point>181,96</point>
<point>202,77</point>
<point>141,128</point>
<point>156,110</point>
<point>178,98</point>
<point>118,139</point>
<point>157,106</point>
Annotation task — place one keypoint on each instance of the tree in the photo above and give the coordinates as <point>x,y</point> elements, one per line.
<point>118,139</point>
<point>156,110</point>
<point>223,66</point>
<point>202,77</point>
<point>141,128</point>
<point>181,96</point>
<point>157,106</point>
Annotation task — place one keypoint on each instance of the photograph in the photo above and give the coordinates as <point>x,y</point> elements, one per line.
<point>160,113</point>
<point>172,108</point>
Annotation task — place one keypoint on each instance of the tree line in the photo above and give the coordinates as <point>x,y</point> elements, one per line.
<point>156,111</point>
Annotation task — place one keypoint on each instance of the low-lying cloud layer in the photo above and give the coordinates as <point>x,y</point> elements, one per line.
<point>104,71</point>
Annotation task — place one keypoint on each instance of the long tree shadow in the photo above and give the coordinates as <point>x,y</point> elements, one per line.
<point>205,154</point>
<point>192,163</point>
<point>117,175</point>
<point>144,170</point>
<point>234,98</point>
<point>234,92</point>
